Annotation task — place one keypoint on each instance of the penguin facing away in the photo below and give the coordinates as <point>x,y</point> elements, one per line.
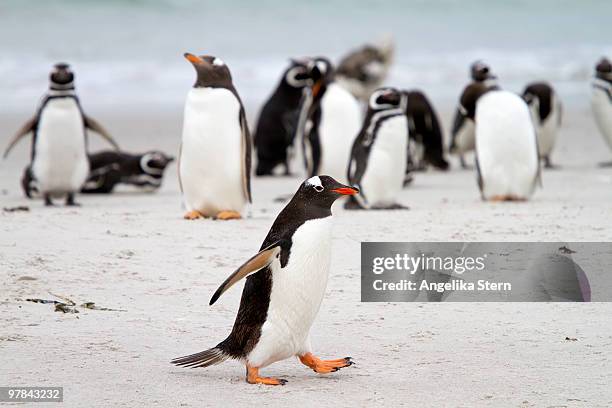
<point>285,284</point>
<point>546,111</point>
<point>601,100</point>
<point>278,119</point>
<point>425,132</point>
<point>378,156</point>
<point>215,154</point>
<point>330,119</point>
<point>507,160</point>
<point>463,129</point>
<point>59,163</point>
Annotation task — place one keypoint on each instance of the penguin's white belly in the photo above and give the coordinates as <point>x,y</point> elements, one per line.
<point>465,140</point>
<point>547,133</point>
<point>602,110</point>
<point>340,124</point>
<point>505,146</point>
<point>384,175</point>
<point>297,292</point>
<point>60,161</point>
<point>211,153</point>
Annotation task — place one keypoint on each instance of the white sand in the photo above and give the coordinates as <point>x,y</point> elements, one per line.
<point>134,252</point>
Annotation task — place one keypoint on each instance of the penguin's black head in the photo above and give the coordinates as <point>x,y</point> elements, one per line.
<point>386,98</point>
<point>603,69</point>
<point>321,73</point>
<point>297,75</point>
<point>61,77</point>
<point>480,72</point>
<point>211,71</point>
<point>154,162</point>
<point>322,191</point>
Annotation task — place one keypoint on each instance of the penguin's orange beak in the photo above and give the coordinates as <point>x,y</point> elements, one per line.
<point>346,190</point>
<point>194,59</point>
<point>316,88</point>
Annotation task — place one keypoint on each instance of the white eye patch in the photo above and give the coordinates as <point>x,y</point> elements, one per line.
<point>292,77</point>
<point>218,62</point>
<point>316,182</point>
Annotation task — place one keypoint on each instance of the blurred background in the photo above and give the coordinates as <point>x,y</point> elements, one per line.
<point>129,52</point>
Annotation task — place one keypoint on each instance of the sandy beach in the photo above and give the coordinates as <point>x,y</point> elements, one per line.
<point>133,252</point>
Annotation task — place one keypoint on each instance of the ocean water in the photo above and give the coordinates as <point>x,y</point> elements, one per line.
<point>128,53</point>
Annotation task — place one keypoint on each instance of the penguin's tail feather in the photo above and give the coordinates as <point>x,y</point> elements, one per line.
<point>205,358</point>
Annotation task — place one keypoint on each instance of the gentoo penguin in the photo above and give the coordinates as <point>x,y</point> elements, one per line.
<point>546,111</point>
<point>278,120</point>
<point>215,154</point>
<point>285,284</point>
<point>507,160</point>
<point>363,70</point>
<point>462,135</point>
<point>425,132</point>
<point>59,163</point>
<point>601,100</point>
<point>330,119</point>
<point>378,156</point>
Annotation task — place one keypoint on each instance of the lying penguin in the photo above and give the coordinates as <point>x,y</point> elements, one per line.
<point>59,163</point>
<point>365,69</point>
<point>278,119</point>
<point>285,284</point>
<point>601,100</point>
<point>425,133</point>
<point>109,168</point>
<point>378,157</point>
<point>507,160</point>
<point>463,130</point>
<point>546,111</point>
<point>330,119</point>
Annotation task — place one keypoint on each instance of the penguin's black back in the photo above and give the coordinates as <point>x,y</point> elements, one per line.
<point>544,93</point>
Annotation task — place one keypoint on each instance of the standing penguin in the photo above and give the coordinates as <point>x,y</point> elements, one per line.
<point>425,132</point>
<point>378,156</point>
<point>59,164</point>
<point>330,119</point>
<point>601,100</point>
<point>284,288</point>
<point>278,120</point>
<point>507,160</point>
<point>215,154</point>
<point>463,130</point>
<point>546,111</point>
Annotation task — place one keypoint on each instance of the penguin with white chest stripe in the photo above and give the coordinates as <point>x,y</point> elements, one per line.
<point>507,159</point>
<point>463,135</point>
<point>284,288</point>
<point>59,163</point>
<point>278,119</point>
<point>378,157</point>
<point>330,119</point>
<point>546,110</point>
<point>215,155</point>
<point>601,100</point>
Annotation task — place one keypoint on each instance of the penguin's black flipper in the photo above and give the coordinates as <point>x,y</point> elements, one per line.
<point>256,263</point>
<point>91,123</point>
<point>27,127</point>
<point>246,153</point>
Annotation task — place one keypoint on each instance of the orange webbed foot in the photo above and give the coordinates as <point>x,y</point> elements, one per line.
<point>325,366</point>
<point>193,215</point>
<point>254,378</point>
<point>228,215</point>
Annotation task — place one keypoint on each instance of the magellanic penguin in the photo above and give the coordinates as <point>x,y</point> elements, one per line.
<point>59,164</point>
<point>278,120</point>
<point>284,288</point>
<point>546,111</point>
<point>378,156</point>
<point>507,160</point>
<point>330,119</point>
<point>363,70</point>
<point>215,154</point>
<point>463,129</point>
<point>601,100</point>
<point>425,133</point>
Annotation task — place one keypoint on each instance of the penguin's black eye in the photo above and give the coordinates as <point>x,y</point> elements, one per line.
<point>318,188</point>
